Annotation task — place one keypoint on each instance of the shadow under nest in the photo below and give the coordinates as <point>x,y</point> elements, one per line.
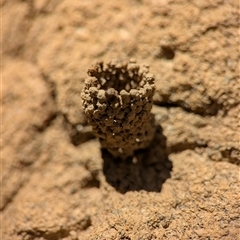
<point>147,170</point>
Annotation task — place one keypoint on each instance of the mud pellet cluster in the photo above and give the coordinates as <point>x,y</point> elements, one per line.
<point>117,99</point>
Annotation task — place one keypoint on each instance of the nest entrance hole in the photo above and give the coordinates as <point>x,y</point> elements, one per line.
<point>117,75</point>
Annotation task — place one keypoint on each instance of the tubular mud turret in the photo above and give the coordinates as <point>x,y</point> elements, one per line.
<point>117,99</point>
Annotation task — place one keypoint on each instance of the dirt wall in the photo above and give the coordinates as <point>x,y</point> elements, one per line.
<point>56,181</point>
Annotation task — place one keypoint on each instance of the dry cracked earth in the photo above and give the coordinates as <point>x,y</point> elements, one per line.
<point>57,183</point>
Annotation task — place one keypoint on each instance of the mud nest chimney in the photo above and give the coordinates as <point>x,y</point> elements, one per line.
<point>117,99</point>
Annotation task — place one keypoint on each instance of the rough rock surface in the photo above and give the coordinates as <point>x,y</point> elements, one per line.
<point>117,99</point>
<point>56,181</point>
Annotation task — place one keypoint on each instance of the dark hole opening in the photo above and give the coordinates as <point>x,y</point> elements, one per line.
<point>166,52</point>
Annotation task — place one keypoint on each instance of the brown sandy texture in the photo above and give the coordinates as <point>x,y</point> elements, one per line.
<point>27,111</point>
<point>56,182</point>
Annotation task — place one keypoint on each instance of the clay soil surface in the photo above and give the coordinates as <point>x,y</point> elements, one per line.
<point>56,181</point>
